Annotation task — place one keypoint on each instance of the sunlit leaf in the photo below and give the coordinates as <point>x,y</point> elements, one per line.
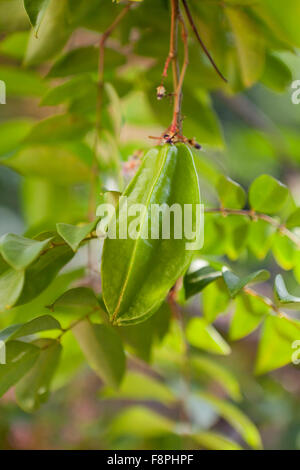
<point>203,335</point>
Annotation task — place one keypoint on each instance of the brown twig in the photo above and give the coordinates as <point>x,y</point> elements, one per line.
<point>102,44</point>
<point>173,34</point>
<point>257,215</point>
<point>177,120</point>
<point>206,51</point>
<point>268,302</point>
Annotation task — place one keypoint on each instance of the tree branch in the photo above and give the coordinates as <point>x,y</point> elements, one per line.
<point>257,215</point>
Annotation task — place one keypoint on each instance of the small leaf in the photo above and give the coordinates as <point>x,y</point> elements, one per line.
<point>138,386</point>
<point>218,373</point>
<point>267,194</point>
<point>74,235</point>
<point>141,337</point>
<point>215,300</point>
<point>83,60</point>
<point>43,323</point>
<point>250,44</point>
<point>282,295</point>
<point>215,441</point>
<point>35,10</point>
<point>196,281</point>
<point>236,418</point>
<point>235,284</point>
<point>58,128</point>
<point>231,194</point>
<point>275,346</point>
<point>20,252</point>
<point>248,314</point>
<point>277,74</point>
<point>11,285</point>
<point>33,389</point>
<point>20,358</point>
<point>103,350</point>
<point>294,219</point>
<point>260,238</point>
<point>203,335</point>
<point>80,299</point>
<point>75,304</point>
<point>284,251</point>
<point>42,272</point>
<point>53,34</point>
<point>141,422</point>
<point>60,164</point>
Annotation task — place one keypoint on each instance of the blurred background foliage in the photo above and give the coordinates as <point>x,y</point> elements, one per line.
<point>247,127</point>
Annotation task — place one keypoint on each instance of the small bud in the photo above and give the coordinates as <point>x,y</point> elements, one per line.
<point>160,92</point>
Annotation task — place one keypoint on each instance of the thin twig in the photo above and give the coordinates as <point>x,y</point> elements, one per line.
<point>173,33</point>
<point>177,121</point>
<point>194,27</point>
<point>257,215</point>
<point>268,302</point>
<point>102,44</point>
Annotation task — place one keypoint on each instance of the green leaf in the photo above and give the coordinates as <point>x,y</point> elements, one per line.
<point>284,251</point>
<point>11,135</point>
<point>35,10</point>
<point>284,24</point>
<point>283,297</point>
<point>267,194</point>
<point>215,441</point>
<point>215,300</point>
<point>139,271</point>
<point>293,220</point>
<point>78,299</point>
<point>11,285</point>
<point>138,386</point>
<point>142,337</point>
<point>103,350</point>
<point>235,284</point>
<point>14,45</point>
<point>59,164</point>
<point>42,272</point>
<point>249,44</point>
<point>53,33</point>
<point>277,75</point>
<point>20,358</point>
<point>260,238</point>
<point>231,194</point>
<point>236,231</point>
<point>22,83</point>
<point>203,335</point>
<point>218,373</point>
<point>43,323</point>
<point>20,252</point>
<point>83,60</point>
<point>141,422</point>
<point>74,235</point>
<point>196,281</point>
<point>79,87</point>
<point>275,346</point>
<point>59,128</point>
<point>33,389</point>
<point>248,314</point>
<point>236,418</point>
